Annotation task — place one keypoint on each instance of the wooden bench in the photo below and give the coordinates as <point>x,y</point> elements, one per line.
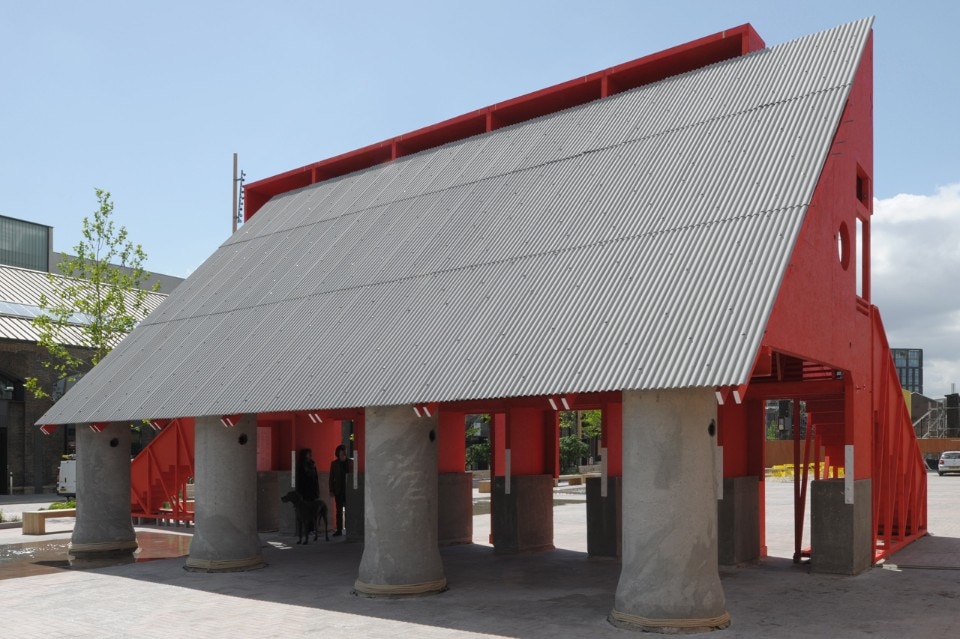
<point>570,480</point>
<point>35,521</point>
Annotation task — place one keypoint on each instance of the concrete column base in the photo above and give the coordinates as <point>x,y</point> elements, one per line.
<point>738,521</point>
<point>841,540</point>
<point>109,552</point>
<point>604,518</point>
<point>455,512</point>
<point>523,520</point>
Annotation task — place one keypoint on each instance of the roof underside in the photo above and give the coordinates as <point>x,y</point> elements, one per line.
<point>635,242</point>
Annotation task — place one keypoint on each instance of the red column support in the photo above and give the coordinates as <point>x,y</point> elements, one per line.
<point>452,442</point>
<point>525,439</point>
<point>733,435</point>
<point>611,437</point>
<point>551,443</point>
<point>498,444</point>
<point>755,414</point>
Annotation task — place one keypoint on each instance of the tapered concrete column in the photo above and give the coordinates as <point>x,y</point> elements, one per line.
<point>225,538</point>
<point>104,528</point>
<point>669,579</point>
<point>400,552</point>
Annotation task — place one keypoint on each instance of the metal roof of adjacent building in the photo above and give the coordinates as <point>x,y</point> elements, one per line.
<point>634,242</point>
<point>20,296</point>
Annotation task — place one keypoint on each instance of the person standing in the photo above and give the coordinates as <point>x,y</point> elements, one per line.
<point>308,479</point>
<point>339,468</point>
<point>308,485</point>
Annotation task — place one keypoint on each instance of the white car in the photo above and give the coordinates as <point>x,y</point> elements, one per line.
<point>949,462</point>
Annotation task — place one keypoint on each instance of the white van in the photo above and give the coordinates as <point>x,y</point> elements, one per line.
<point>67,478</point>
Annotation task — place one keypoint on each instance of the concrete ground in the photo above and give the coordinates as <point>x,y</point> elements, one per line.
<point>306,590</point>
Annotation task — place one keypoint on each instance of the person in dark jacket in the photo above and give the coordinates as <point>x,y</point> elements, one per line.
<point>339,468</point>
<point>308,480</point>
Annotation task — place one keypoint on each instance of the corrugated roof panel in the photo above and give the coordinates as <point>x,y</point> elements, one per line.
<point>633,242</point>
<point>25,287</point>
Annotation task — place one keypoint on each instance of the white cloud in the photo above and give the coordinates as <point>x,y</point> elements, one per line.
<point>915,251</point>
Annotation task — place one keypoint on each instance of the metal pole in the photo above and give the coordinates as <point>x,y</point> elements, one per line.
<point>233,212</point>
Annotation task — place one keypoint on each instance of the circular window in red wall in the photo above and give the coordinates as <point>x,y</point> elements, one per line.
<point>843,245</point>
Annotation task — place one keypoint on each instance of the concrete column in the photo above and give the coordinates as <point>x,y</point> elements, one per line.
<point>400,553</point>
<point>841,538</point>
<point>104,529</point>
<point>455,513</point>
<point>669,579</point>
<point>522,519</point>
<point>604,517</point>
<point>225,538</point>
<point>738,518</point>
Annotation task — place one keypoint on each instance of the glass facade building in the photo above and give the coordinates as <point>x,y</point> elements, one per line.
<point>25,244</point>
<point>909,363</point>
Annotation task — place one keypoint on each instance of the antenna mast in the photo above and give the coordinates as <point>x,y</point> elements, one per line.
<point>236,213</point>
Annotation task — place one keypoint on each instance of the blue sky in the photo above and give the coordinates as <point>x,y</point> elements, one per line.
<point>150,101</point>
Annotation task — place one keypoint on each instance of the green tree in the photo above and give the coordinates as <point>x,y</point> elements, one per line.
<point>571,451</point>
<point>478,454</point>
<point>96,303</point>
<point>585,422</point>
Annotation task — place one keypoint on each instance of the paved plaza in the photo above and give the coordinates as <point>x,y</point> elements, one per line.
<point>306,590</point>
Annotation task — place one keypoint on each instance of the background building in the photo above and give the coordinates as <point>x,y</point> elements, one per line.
<point>909,363</point>
<point>29,460</point>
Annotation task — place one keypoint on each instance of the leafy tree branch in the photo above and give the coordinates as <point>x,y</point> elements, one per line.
<point>97,301</point>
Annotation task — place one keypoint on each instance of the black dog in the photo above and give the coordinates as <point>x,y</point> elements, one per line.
<point>309,515</point>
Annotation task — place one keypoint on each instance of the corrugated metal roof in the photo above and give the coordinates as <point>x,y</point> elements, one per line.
<point>24,287</point>
<point>633,242</point>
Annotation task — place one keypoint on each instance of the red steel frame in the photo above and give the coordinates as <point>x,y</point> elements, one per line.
<point>160,473</point>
